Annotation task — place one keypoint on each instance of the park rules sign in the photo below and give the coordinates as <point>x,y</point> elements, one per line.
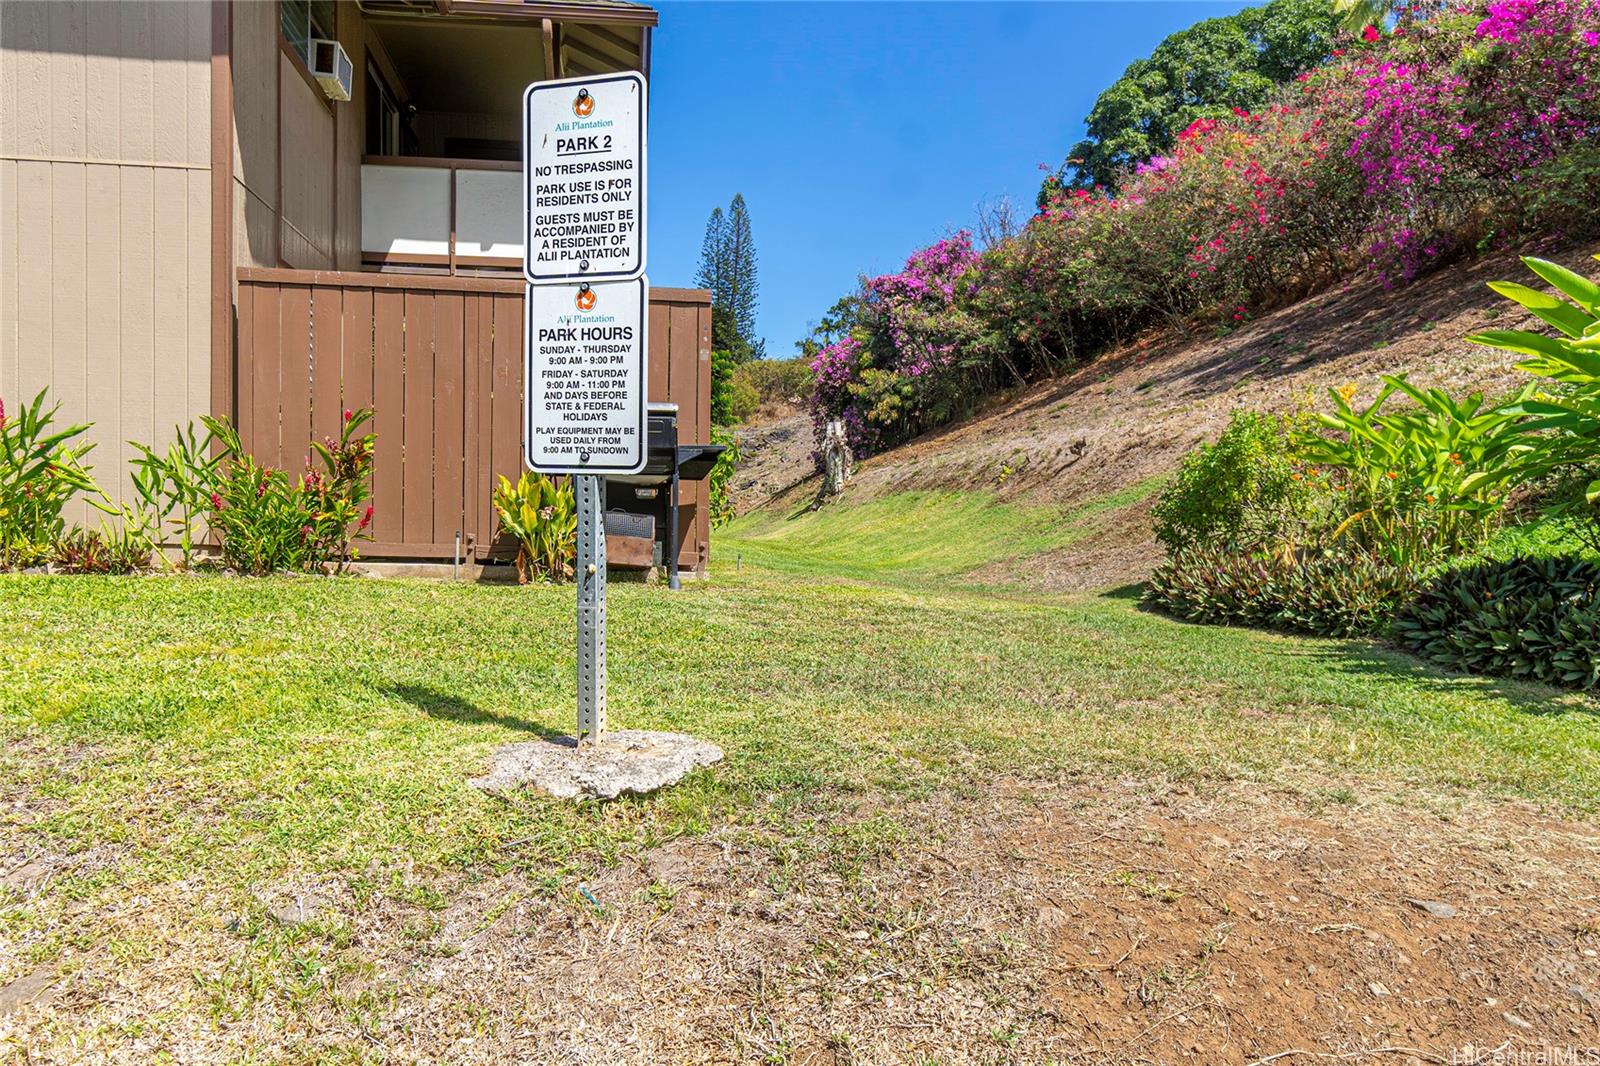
<point>584,339</point>
<point>585,377</point>
<point>584,178</point>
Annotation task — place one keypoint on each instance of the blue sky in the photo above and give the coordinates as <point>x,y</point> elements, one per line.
<point>861,131</point>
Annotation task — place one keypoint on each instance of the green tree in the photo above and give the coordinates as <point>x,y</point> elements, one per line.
<point>1204,71</point>
<point>839,320</point>
<point>728,269</point>
<point>712,272</point>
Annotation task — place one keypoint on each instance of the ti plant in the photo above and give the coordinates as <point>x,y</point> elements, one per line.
<point>1559,437</point>
<point>543,517</point>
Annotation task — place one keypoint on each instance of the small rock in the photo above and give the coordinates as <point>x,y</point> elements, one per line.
<point>626,760</point>
<point>27,878</point>
<point>1434,907</point>
<point>1582,994</point>
<point>1377,988</point>
<point>32,987</point>
<point>1512,1019</point>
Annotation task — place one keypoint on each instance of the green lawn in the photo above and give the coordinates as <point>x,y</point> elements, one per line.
<point>224,733</point>
<point>917,536</point>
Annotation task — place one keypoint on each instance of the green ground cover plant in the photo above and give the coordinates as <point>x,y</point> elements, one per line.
<point>1536,619</point>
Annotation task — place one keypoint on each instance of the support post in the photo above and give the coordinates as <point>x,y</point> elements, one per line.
<point>673,582</point>
<point>590,491</point>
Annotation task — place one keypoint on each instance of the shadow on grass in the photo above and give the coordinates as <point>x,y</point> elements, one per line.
<point>448,708</point>
<point>1391,663</point>
<point>1133,592</point>
<point>1373,658</point>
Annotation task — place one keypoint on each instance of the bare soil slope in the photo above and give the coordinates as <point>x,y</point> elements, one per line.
<point>1130,415</point>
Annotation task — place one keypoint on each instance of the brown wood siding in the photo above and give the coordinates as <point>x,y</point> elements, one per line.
<point>440,360</point>
<point>105,220</point>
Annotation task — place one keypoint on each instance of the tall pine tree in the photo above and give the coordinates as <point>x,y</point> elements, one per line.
<point>728,269</point>
<point>712,261</point>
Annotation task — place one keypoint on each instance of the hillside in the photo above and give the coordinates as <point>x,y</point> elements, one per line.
<point>1092,445</point>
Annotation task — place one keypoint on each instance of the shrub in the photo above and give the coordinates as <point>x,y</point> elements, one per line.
<point>543,517</point>
<point>771,383</point>
<point>1451,132</point>
<point>41,468</point>
<point>1244,491</point>
<point>1535,619</point>
<point>721,474</point>
<point>1415,485</point>
<point>266,522</point>
<point>1337,593</point>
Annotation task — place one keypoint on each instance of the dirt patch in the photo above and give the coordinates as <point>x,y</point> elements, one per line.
<point>1115,922</point>
<point>776,456</point>
<point>1129,416</point>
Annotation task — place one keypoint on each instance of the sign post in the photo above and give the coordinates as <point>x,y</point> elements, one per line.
<point>584,381</point>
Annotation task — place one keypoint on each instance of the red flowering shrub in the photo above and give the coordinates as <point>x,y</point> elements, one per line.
<point>1458,128</point>
<point>264,521</point>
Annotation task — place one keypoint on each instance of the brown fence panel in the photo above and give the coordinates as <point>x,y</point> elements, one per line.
<point>440,361</point>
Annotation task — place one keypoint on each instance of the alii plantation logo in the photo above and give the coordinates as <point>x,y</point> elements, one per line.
<point>583,104</point>
<point>586,298</point>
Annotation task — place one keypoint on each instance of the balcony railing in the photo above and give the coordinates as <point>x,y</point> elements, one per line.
<point>440,213</point>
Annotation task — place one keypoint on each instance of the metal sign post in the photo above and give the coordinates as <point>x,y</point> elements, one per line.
<point>591,497</point>
<point>584,380</point>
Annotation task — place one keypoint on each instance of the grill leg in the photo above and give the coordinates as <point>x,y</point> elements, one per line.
<point>672,538</point>
<point>591,499</point>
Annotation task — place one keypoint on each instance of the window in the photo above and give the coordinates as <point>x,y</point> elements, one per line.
<point>301,21</point>
<point>383,116</point>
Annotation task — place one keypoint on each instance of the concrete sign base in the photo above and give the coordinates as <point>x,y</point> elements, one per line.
<point>624,760</point>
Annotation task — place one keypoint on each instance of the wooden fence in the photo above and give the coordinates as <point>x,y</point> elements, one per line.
<point>439,359</point>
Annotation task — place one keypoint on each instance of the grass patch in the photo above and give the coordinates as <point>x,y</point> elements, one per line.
<point>208,739</point>
<point>918,536</point>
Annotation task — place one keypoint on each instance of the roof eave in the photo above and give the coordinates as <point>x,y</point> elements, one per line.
<point>626,14</point>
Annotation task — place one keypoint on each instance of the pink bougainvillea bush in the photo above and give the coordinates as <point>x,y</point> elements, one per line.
<point>1456,129</point>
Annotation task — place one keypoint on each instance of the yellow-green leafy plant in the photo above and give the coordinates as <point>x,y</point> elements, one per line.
<point>1558,439</point>
<point>1411,483</point>
<point>543,517</point>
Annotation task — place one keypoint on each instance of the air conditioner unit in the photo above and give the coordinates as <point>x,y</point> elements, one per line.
<point>330,65</point>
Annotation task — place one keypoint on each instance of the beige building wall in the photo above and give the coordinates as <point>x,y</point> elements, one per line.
<point>105,217</point>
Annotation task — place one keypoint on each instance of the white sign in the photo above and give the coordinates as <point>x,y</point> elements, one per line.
<point>583,164</point>
<point>584,376</point>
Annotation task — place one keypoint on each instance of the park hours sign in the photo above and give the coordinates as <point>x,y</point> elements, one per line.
<point>584,178</point>
<point>585,377</point>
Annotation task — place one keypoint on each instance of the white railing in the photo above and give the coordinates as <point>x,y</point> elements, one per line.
<point>441,212</point>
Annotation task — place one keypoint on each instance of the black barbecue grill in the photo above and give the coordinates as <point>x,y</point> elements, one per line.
<point>642,508</point>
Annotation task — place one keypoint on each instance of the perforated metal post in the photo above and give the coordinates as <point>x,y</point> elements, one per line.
<point>591,499</point>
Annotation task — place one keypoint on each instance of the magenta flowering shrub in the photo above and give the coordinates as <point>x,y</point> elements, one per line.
<point>1459,128</point>
<point>1460,112</point>
<point>895,377</point>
